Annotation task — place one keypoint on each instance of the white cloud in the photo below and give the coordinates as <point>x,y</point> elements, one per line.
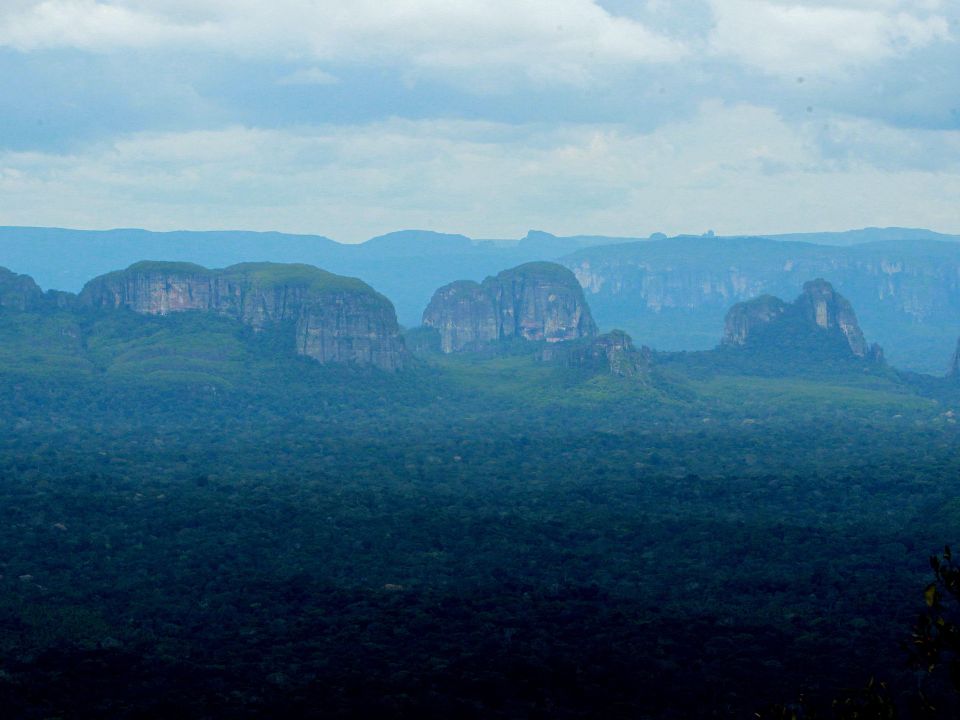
<point>497,44</point>
<point>732,168</point>
<point>559,40</point>
<point>798,38</point>
<point>309,76</point>
<point>90,25</point>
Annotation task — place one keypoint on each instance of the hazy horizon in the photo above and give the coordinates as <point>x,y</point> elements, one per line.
<point>580,116</point>
<point>642,402</point>
<point>709,232</point>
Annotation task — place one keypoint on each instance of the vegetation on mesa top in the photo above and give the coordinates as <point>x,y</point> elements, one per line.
<point>540,269</point>
<point>543,269</point>
<point>275,274</point>
<point>266,274</point>
<point>162,266</point>
<point>766,302</point>
<point>11,279</point>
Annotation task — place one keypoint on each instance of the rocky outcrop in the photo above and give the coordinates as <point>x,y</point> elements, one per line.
<point>334,319</point>
<point>822,305</point>
<point>819,317</point>
<point>744,318</point>
<point>538,301</point>
<point>465,314</point>
<point>674,293</point>
<point>612,353</point>
<point>19,292</point>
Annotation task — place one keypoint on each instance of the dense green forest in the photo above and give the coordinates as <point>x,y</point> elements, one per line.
<point>196,523</point>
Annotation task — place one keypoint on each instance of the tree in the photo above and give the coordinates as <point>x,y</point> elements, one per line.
<point>935,643</point>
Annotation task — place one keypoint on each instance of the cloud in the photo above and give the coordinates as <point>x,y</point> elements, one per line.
<point>547,40</point>
<point>309,76</point>
<point>797,38</point>
<point>90,25</point>
<point>851,140</point>
<point>735,168</point>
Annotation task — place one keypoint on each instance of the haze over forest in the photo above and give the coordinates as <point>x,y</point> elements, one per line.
<point>654,416</point>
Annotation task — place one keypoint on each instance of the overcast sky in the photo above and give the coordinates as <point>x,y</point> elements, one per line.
<point>349,118</point>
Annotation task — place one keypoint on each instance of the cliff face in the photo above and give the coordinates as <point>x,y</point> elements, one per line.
<point>465,314</point>
<point>611,352</point>
<point>334,318</point>
<point>821,305</point>
<point>536,301</point>
<point>673,293</point>
<point>744,318</point>
<point>918,280</point>
<point>818,318</point>
<point>19,292</point>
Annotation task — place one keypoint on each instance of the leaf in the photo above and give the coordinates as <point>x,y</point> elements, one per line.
<point>930,594</point>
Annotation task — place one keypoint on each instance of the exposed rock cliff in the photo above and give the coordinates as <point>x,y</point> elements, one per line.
<point>611,352</point>
<point>743,318</point>
<point>535,301</point>
<point>465,314</point>
<point>19,292</point>
<point>829,310</point>
<point>673,293</point>
<point>818,319</point>
<point>334,318</point>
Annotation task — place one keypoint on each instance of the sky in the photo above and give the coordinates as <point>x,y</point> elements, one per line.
<point>481,117</point>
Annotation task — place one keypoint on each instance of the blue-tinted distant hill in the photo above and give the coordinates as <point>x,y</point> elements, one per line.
<point>65,259</point>
<point>866,235</point>
<point>406,266</point>
<point>673,294</point>
<point>670,293</point>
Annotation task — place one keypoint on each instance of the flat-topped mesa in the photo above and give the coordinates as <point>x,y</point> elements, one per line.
<point>612,353</point>
<point>818,319</point>
<point>336,319</point>
<point>744,318</point>
<point>538,301</point>
<point>19,292</point>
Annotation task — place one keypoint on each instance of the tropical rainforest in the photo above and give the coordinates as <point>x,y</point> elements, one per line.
<point>197,522</point>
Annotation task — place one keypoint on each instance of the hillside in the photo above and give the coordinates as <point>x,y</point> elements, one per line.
<point>673,294</point>
<point>188,505</point>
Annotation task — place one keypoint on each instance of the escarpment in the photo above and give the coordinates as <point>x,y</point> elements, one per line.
<point>674,293</point>
<point>612,353</point>
<point>827,309</point>
<point>334,319</point>
<point>745,318</point>
<point>820,320</point>
<point>19,292</point>
<point>537,301</point>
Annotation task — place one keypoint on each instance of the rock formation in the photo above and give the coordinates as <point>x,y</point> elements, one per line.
<point>820,318</point>
<point>611,352</point>
<point>955,363</point>
<point>744,318</point>
<point>19,292</point>
<point>829,310</point>
<point>334,318</point>
<point>674,293</point>
<point>537,301</point>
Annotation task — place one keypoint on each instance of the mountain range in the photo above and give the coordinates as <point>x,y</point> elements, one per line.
<point>668,293</point>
